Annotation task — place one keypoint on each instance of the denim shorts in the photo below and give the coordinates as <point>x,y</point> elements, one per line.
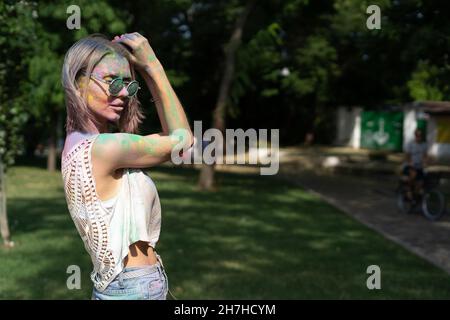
<point>153,285</point>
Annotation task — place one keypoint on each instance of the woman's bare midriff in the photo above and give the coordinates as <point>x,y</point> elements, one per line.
<point>139,253</point>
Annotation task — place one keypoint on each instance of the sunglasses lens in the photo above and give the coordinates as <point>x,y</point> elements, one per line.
<point>115,86</point>
<point>132,88</point>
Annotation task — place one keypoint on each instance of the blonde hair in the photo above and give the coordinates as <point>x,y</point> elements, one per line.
<point>80,60</point>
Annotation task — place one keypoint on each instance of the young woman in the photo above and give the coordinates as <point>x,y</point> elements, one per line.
<point>113,203</point>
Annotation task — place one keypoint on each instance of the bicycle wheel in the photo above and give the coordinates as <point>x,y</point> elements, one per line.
<point>404,205</point>
<point>433,205</point>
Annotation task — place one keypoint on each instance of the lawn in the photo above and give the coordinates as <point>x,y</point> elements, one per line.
<point>256,238</point>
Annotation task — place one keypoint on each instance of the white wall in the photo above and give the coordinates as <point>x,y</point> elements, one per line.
<point>431,135</point>
<point>409,125</point>
<point>348,127</point>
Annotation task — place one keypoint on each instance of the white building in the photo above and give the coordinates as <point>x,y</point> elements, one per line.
<point>434,116</point>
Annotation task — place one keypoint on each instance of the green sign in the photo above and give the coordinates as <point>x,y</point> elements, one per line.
<point>382,130</point>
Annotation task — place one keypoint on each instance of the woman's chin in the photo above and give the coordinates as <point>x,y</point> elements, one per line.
<point>114,117</point>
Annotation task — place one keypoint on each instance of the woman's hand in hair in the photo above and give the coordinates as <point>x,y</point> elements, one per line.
<point>143,55</point>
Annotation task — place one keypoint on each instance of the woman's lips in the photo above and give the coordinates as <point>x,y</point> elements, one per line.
<point>116,108</point>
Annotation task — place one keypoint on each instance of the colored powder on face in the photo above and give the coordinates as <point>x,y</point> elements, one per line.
<point>112,64</point>
<point>90,99</point>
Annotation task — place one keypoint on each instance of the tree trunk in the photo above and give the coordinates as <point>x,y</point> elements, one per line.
<point>59,138</point>
<point>4,227</point>
<point>51,156</point>
<point>206,180</point>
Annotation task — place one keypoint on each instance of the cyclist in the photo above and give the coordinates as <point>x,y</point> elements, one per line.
<point>415,161</point>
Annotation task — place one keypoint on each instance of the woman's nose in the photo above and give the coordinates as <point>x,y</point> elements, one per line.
<point>123,92</point>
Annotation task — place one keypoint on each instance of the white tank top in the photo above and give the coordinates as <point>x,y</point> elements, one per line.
<point>109,204</point>
<point>107,228</point>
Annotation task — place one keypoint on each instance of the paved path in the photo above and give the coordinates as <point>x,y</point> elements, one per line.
<point>371,200</point>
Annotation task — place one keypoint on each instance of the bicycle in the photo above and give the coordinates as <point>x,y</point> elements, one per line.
<point>430,200</point>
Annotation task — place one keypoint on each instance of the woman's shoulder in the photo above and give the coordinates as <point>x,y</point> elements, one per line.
<point>74,139</point>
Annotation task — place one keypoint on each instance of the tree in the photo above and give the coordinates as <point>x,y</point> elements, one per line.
<point>16,35</point>
<point>206,181</point>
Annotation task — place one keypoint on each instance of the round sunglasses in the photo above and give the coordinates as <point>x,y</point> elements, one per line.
<point>117,84</point>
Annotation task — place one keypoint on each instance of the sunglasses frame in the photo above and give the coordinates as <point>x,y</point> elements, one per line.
<point>109,82</point>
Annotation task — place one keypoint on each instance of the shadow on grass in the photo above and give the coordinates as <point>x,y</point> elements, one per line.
<point>46,243</point>
<point>256,238</point>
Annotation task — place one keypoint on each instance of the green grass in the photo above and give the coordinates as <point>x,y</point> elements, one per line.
<point>256,238</point>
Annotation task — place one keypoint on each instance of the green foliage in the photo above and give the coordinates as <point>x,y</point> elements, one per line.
<point>425,83</point>
<point>350,16</point>
<point>45,82</point>
<point>16,35</point>
<point>315,64</point>
<point>177,78</point>
<point>259,58</point>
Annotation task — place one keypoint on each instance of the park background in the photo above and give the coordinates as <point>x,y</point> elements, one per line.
<point>298,66</point>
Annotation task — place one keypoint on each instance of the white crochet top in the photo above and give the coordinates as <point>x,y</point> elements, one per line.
<point>108,230</point>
